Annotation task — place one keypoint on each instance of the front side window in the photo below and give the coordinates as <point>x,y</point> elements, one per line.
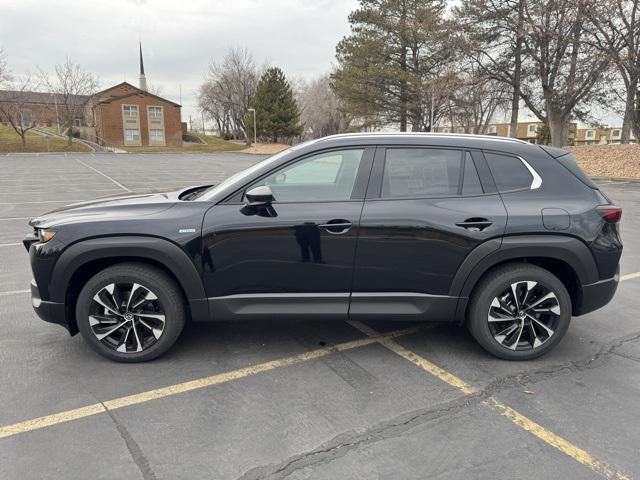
<point>132,134</point>
<point>508,172</point>
<point>329,176</point>
<point>155,112</point>
<point>421,172</point>
<point>156,134</point>
<point>130,110</point>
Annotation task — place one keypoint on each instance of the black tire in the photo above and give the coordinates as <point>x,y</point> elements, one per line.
<point>495,286</point>
<point>160,297</point>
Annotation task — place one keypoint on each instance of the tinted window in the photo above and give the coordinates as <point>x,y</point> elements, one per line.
<point>328,176</point>
<point>471,182</point>
<point>421,172</point>
<point>508,172</point>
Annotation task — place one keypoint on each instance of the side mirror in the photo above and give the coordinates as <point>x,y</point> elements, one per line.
<point>261,196</point>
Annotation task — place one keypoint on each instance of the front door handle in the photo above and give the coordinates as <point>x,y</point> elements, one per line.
<point>475,224</point>
<point>336,227</point>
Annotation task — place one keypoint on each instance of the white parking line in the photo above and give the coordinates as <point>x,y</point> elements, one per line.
<point>629,276</point>
<point>15,218</point>
<point>104,175</point>
<point>10,244</point>
<point>13,292</point>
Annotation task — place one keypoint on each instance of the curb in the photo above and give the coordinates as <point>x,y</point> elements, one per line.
<point>616,179</point>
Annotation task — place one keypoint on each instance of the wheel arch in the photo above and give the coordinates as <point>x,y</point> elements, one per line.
<point>84,259</point>
<point>566,257</point>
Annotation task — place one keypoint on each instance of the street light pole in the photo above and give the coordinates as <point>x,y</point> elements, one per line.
<point>255,126</point>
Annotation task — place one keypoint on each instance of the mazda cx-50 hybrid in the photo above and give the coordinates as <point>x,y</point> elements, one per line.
<point>507,238</point>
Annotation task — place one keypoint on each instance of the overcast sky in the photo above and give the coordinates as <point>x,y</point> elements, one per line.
<point>179,39</point>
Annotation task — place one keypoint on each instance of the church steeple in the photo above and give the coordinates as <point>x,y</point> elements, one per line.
<point>142,79</point>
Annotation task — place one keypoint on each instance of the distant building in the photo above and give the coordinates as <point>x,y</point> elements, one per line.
<point>120,115</point>
<point>528,131</point>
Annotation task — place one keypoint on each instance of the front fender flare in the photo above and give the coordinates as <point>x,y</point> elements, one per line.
<point>130,246</point>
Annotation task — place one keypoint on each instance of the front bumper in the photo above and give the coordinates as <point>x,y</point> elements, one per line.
<point>51,312</point>
<point>597,295</point>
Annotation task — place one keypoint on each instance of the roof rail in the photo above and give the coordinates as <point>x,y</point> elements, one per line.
<point>425,134</point>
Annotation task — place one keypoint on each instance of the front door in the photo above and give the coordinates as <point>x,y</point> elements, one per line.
<point>295,257</point>
<point>426,209</point>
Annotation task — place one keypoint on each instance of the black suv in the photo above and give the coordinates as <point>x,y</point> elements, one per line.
<point>508,238</point>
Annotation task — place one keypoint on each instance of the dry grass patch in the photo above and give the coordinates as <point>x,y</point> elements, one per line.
<point>608,160</point>
<point>10,142</point>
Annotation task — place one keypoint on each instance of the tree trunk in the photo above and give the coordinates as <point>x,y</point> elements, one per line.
<point>403,69</point>
<point>558,129</point>
<point>23,139</point>
<point>517,73</point>
<point>629,112</point>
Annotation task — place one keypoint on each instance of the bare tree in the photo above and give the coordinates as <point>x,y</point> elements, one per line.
<point>617,32</point>
<point>72,88</point>
<point>319,108</point>
<point>227,90</point>
<point>5,73</point>
<point>493,39</point>
<point>566,65</point>
<point>476,101</point>
<point>15,106</point>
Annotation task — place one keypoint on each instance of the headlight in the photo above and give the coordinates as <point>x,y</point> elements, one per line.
<point>45,235</point>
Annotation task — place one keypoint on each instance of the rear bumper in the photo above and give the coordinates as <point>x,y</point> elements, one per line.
<point>597,295</point>
<point>51,312</point>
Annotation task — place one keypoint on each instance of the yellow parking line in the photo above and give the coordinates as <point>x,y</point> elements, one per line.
<point>630,276</point>
<point>518,419</point>
<point>138,398</point>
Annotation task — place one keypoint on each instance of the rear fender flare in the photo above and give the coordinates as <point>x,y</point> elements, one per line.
<point>567,249</point>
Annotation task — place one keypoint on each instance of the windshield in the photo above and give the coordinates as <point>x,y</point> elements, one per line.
<point>238,177</point>
<point>209,193</point>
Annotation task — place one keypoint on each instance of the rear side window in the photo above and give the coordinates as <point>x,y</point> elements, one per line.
<point>508,172</point>
<point>421,172</point>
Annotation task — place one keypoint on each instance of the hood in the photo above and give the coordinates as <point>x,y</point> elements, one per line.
<point>113,207</point>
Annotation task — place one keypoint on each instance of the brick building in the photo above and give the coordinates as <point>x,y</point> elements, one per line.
<point>120,115</point>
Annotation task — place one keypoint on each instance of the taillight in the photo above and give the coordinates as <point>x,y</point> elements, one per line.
<point>610,213</point>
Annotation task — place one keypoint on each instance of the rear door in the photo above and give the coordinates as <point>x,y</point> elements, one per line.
<point>426,209</point>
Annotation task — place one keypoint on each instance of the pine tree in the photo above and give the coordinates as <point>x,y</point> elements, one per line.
<point>389,65</point>
<point>276,110</point>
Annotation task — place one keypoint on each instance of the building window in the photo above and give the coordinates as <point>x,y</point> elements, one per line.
<point>155,112</point>
<point>532,129</point>
<point>460,130</point>
<point>590,134</point>
<point>492,129</point>
<point>446,130</point>
<point>132,134</point>
<point>616,133</point>
<point>130,110</point>
<point>156,135</point>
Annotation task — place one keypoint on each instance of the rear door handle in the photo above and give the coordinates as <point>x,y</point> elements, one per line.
<point>336,227</point>
<point>475,224</point>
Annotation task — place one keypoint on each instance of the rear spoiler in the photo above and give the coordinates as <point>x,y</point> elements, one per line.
<point>554,151</point>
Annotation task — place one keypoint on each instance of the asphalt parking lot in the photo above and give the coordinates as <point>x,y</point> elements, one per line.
<point>296,400</point>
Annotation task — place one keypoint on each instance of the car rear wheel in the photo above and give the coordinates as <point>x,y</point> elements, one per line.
<point>131,312</point>
<point>519,312</point>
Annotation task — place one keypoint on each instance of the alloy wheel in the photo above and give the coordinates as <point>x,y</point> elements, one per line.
<point>524,316</point>
<point>126,317</point>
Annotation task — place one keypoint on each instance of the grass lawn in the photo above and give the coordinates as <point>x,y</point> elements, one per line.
<point>213,144</point>
<point>10,142</point>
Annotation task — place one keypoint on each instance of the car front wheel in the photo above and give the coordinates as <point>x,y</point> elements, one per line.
<point>519,312</point>
<point>131,312</point>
